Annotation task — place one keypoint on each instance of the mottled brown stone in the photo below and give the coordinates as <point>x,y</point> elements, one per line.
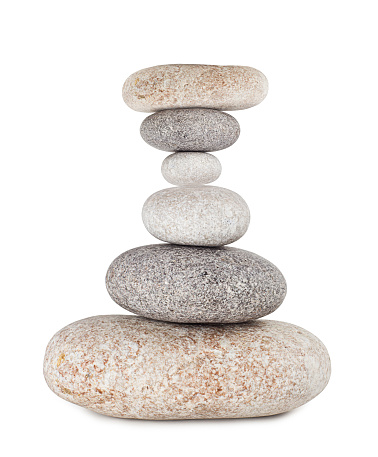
<point>131,367</point>
<point>225,88</point>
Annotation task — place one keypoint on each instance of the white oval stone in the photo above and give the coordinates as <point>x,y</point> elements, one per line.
<point>131,367</point>
<point>196,216</point>
<point>188,168</point>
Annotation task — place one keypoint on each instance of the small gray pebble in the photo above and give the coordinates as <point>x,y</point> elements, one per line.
<point>185,130</point>
<point>195,284</point>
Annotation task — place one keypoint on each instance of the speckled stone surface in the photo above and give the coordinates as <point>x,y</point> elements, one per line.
<point>131,367</point>
<point>225,88</point>
<point>191,168</point>
<point>195,284</point>
<point>198,215</point>
<point>196,129</point>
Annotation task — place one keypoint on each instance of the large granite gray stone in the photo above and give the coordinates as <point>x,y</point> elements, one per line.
<point>186,130</point>
<point>195,284</point>
<point>131,367</point>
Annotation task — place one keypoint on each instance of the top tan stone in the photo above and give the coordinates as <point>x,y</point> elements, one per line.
<point>226,88</point>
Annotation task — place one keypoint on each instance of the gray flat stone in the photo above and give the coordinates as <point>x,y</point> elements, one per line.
<point>186,130</point>
<point>195,284</point>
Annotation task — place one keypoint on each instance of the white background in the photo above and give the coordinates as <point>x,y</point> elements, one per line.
<point>75,174</point>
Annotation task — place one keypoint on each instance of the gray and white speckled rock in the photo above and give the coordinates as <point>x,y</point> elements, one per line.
<point>195,284</point>
<point>198,215</point>
<point>196,129</point>
<point>131,367</point>
<point>226,88</point>
<point>191,168</point>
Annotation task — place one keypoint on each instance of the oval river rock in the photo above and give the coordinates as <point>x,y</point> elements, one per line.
<point>131,367</point>
<point>195,284</point>
<point>186,130</point>
<point>225,88</point>
<point>197,215</point>
<point>191,168</point>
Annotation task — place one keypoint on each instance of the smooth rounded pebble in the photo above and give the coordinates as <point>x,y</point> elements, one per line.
<point>195,284</point>
<point>131,367</point>
<point>225,88</point>
<point>198,215</point>
<point>196,129</point>
<point>191,168</point>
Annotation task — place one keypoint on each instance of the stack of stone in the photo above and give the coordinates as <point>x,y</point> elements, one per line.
<point>197,351</point>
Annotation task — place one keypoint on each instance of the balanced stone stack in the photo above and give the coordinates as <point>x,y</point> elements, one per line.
<point>195,350</point>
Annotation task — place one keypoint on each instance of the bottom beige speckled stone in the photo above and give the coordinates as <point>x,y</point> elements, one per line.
<point>132,367</point>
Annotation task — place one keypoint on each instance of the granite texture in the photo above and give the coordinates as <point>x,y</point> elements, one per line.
<point>186,130</point>
<point>197,216</point>
<point>191,168</point>
<point>131,367</point>
<point>224,88</point>
<point>195,284</point>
